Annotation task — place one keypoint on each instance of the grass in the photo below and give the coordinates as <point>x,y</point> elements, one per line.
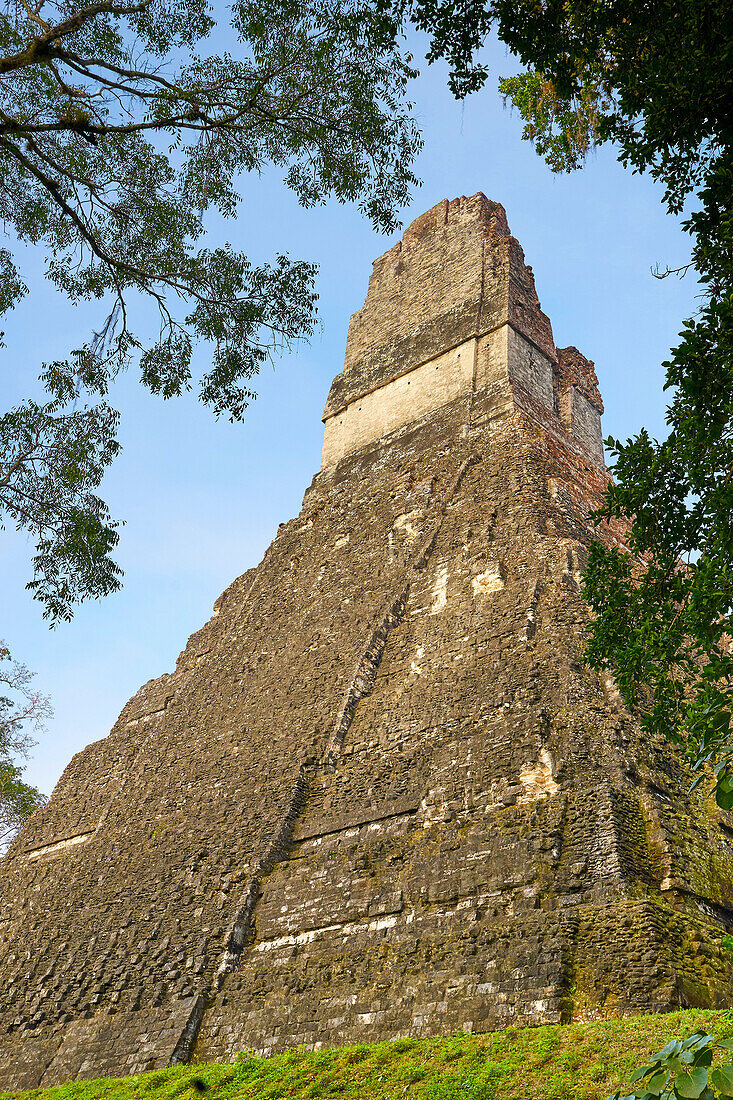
<point>571,1062</point>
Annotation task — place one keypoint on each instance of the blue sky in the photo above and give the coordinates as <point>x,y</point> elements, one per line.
<point>201,500</point>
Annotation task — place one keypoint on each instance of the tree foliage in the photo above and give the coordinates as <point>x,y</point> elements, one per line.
<point>119,130</point>
<point>20,708</point>
<point>50,464</point>
<point>655,78</point>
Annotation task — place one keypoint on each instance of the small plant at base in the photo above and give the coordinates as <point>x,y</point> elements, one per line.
<point>246,1067</point>
<point>682,1070</point>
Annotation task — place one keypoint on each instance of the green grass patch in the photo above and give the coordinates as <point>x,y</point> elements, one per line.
<point>571,1062</point>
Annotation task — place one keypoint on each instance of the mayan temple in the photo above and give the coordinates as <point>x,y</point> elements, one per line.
<point>381,794</point>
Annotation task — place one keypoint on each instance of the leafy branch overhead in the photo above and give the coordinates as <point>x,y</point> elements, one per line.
<point>51,464</point>
<point>118,131</point>
<point>656,80</point>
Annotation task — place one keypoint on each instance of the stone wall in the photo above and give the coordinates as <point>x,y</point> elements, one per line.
<point>453,296</point>
<point>400,401</point>
<point>487,849</point>
<point>380,794</point>
<point>579,401</point>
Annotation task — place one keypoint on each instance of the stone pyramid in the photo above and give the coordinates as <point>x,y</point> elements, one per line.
<point>381,795</point>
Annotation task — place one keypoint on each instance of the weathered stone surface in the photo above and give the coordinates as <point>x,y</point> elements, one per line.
<point>451,310</point>
<point>381,794</point>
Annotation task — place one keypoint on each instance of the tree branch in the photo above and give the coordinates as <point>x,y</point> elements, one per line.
<point>43,47</point>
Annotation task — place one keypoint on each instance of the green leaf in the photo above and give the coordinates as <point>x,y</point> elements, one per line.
<point>657,1081</point>
<point>698,1040</point>
<point>674,1046</point>
<point>643,1071</point>
<point>727,1044</point>
<point>724,799</point>
<point>722,1079</point>
<point>691,1085</point>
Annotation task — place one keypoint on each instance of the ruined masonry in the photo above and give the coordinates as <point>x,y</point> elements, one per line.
<point>381,795</point>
